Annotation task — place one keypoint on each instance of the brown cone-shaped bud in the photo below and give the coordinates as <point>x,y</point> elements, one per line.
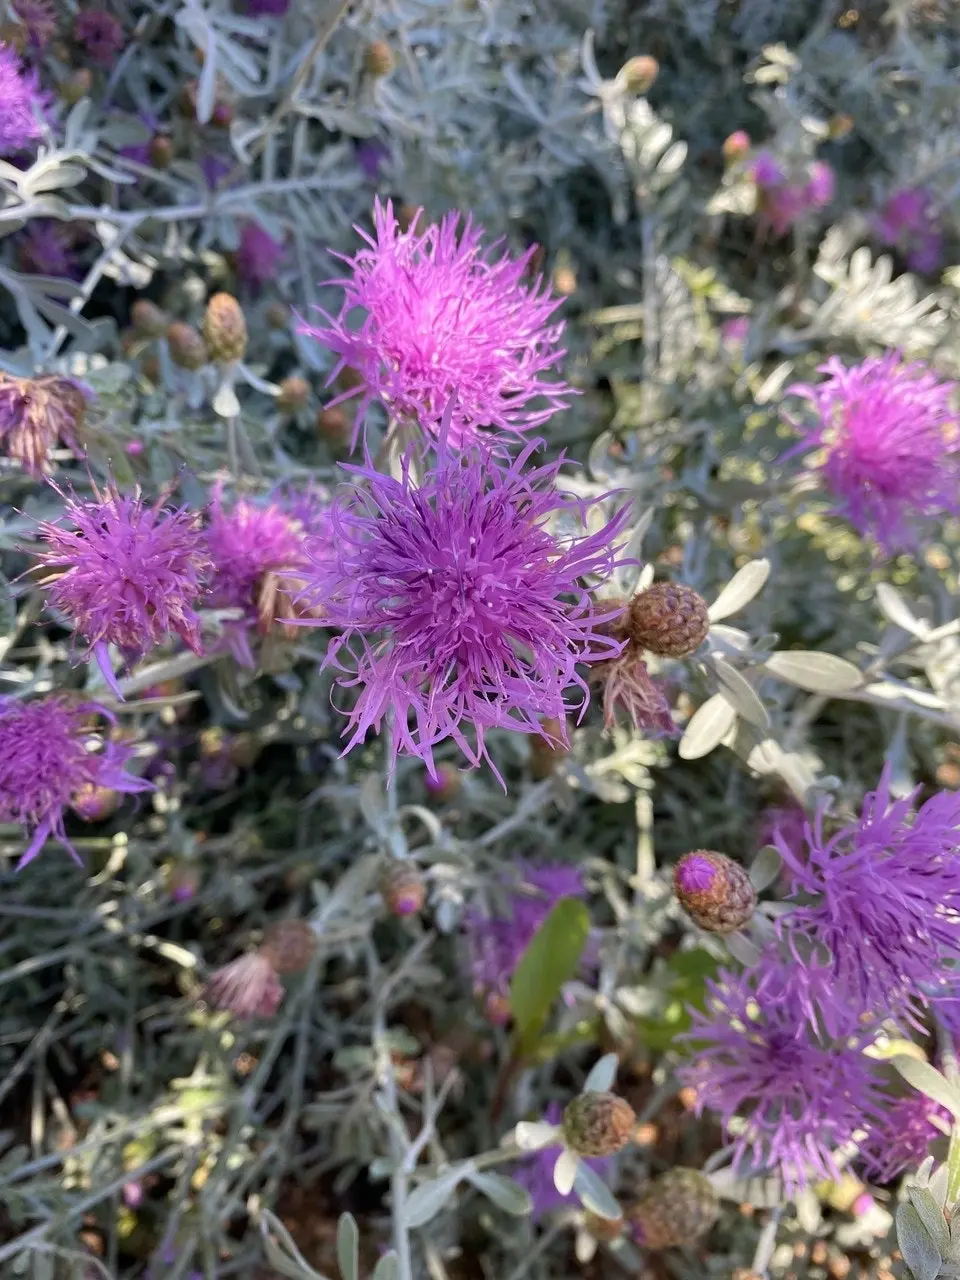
<point>335,426</point>
<point>547,750</point>
<point>606,1229</point>
<point>598,1124</point>
<point>225,328</point>
<point>161,151</point>
<point>677,1208</point>
<point>294,394</point>
<point>76,86</point>
<point>187,347</point>
<point>445,785</point>
<point>148,320</point>
<point>714,891</point>
<point>378,59</point>
<point>402,889</point>
<point>669,619</point>
<point>289,945</point>
<point>639,73</point>
<point>277,316</point>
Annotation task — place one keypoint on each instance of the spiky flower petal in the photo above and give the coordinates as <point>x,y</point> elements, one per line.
<point>100,34</point>
<point>50,756</point>
<point>459,604</point>
<point>888,437</point>
<point>445,317</point>
<point>21,104</point>
<point>901,1138</point>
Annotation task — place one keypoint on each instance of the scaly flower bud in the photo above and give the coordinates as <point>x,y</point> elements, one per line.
<point>225,328</point>
<point>549,749</point>
<point>639,74</point>
<point>714,891</point>
<point>148,320</point>
<point>294,394</point>
<point>736,146</point>
<point>161,151</point>
<point>677,1208</point>
<point>598,1124</point>
<point>446,784</point>
<point>76,86</point>
<point>402,889</point>
<point>187,347</point>
<point>378,59</point>
<point>669,619</point>
<point>289,945</point>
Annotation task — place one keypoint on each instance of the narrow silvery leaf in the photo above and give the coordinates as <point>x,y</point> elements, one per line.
<point>348,1247</point>
<point>815,672</point>
<point>742,949</point>
<point>565,1171</point>
<point>387,1268</point>
<point>765,868</point>
<point>894,606</point>
<point>919,1252</point>
<point>765,1246</point>
<point>708,727</point>
<point>504,1192</point>
<point>740,590</point>
<point>928,1080</point>
<point>534,1135</point>
<point>931,1215</point>
<point>282,1254</point>
<point>426,1201</point>
<point>594,1193</point>
<point>740,693</point>
<point>602,1075</point>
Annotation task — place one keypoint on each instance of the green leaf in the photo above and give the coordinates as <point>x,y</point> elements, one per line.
<point>551,959</point>
<point>919,1252</point>
<point>348,1247</point>
<point>815,672</point>
<point>504,1192</point>
<point>931,1215</point>
<point>929,1081</point>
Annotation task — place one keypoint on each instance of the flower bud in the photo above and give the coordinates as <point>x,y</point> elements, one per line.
<point>714,891</point>
<point>638,74</point>
<point>76,86</point>
<point>334,426</point>
<point>183,881</point>
<point>161,151</point>
<point>446,784</point>
<point>225,328</point>
<point>187,347</point>
<point>95,804</point>
<point>606,1229</point>
<point>378,59</point>
<point>289,945</point>
<point>148,320</point>
<point>496,1008</point>
<point>669,619</point>
<point>277,316</point>
<point>677,1208</point>
<point>736,146</point>
<point>14,35</point>
<point>548,749</point>
<point>294,394</point>
<point>598,1124</point>
<point>402,889</point>
<point>839,127</point>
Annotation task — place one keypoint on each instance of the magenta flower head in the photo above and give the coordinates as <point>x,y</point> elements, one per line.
<point>443,317</point>
<point>46,248</point>
<point>902,1136</point>
<point>21,104</point>
<point>497,940</point>
<point>535,1172</point>
<point>267,8</point>
<point>38,19</point>
<point>100,34</point>
<point>459,605</point>
<point>125,573</point>
<point>877,920</point>
<point>888,435</point>
<point>799,1095</point>
<point>48,755</point>
<point>781,201</point>
<point>258,255</point>
<point>909,223</point>
<point>36,414</point>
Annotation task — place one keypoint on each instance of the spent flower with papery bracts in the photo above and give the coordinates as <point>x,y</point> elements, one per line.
<point>50,754</point>
<point>444,317</point>
<point>36,414</point>
<point>461,609</point>
<point>126,573</point>
<point>884,436</point>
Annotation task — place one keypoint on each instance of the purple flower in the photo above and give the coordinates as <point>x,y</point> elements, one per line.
<point>535,1172</point>
<point>901,1137</point>
<point>36,413</point>
<point>783,203</point>
<point>877,921</point>
<point>821,185</point>
<point>464,608</point>
<point>21,104</point>
<point>800,1095</point>
<point>909,223</point>
<point>100,34</point>
<point>888,433</point>
<point>496,942</point>
<point>214,168</point>
<point>258,255</point>
<point>48,753</point>
<point>371,154</point>
<point>126,574</point>
<point>267,8</point>
<point>45,248</point>
<point>443,317</point>
<point>767,171</point>
<point>38,19</point>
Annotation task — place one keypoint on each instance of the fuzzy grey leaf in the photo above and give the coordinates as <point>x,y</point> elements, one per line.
<point>765,868</point>
<point>928,1080</point>
<point>740,590</point>
<point>427,1200</point>
<point>919,1252</point>
<point>931,1215</point>
<point>815,672</point>
<point>708,727</point>
<point>348,1247</point>
<point>740,693</point>
<point>504,1192</point>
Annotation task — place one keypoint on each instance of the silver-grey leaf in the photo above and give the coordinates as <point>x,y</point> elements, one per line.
<point>348,1247</point>
<point>919,1252</point>
<point>765,868</point>
<point>815,672</point>
<point>928,1080</point>
<point>504,1192</point>
<point>708,727</point>
<point>740,693</point>
<point>740,590</point>
<point>594,1193</point>
<point>931,1215</point>
<point>427,1200</point>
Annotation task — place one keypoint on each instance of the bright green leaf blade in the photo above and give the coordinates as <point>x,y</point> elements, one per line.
<point>551,959</point>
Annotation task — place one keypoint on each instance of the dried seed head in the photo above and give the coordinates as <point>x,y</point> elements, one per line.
<point>378,59</point>
<point>714,891</point>
<point>294,394</point>
<point>148,320</point>
<point>678,1207</point>
<point>248,987</point>
<point>598,1124</point>
<point>289,945</point>
<point>277,315</point>
<point>187,347</point>
<point>402,889</point>
<point>225,328</point>
<point>669,619</point>
<point>638,74</point>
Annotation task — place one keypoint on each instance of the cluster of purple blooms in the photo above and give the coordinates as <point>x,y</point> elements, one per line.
<point>784,200</point>
<point>872,940</point>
